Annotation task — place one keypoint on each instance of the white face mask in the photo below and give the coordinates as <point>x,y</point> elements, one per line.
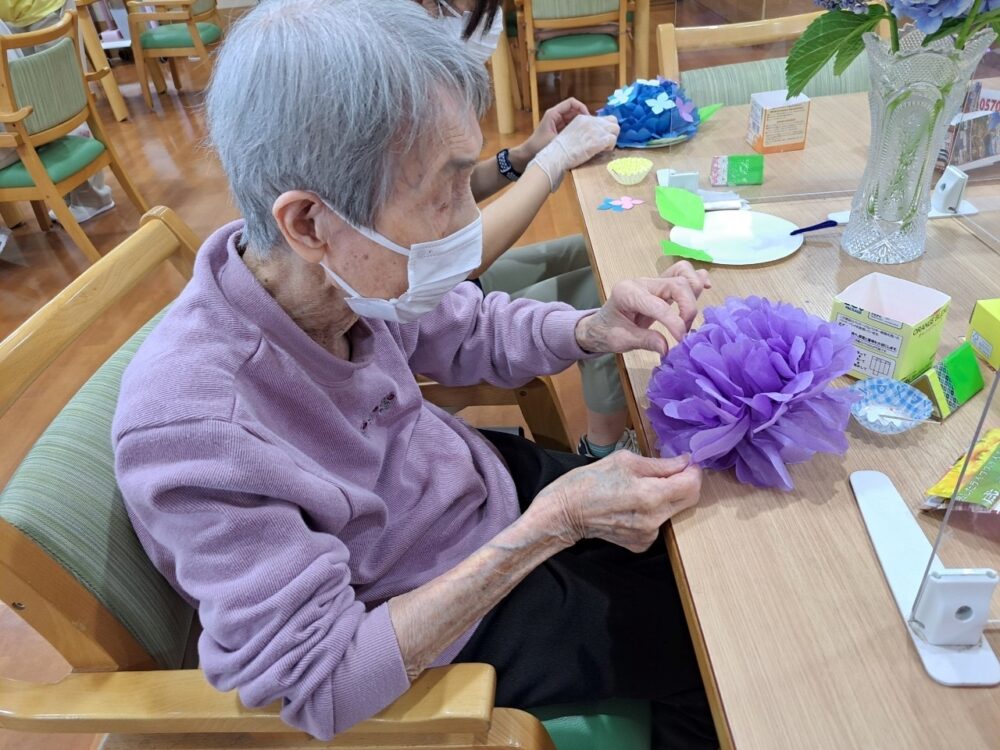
<point>432,268</point>
<point>482,46</point>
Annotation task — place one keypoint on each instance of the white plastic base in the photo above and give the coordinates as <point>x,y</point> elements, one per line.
<point>903,551</point>
<point>964,209</point>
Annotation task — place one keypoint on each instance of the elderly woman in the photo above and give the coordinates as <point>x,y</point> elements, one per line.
<point>337,534</point>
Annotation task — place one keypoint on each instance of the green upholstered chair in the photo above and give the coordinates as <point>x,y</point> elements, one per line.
<point>43,99</point>
<point>184,28</point>
<point>568,50</point>
<point>733,84</point>
<point>72,567</point>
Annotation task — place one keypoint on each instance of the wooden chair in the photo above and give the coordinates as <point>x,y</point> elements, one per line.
<point>733,84</point>
<point>99,59</point>
<point>573,50</point>
<point>44,97</point>
<point>186,28</point>
<point>71,566</point>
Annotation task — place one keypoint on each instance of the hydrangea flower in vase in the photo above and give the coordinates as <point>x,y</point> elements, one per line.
<point>919,77</point>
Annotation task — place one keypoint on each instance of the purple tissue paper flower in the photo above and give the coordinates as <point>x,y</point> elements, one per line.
<point>750,389</point>
<point>929,14</point>
<point>649,110</point>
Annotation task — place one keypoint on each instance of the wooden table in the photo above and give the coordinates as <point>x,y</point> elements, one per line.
<point>800,641</point>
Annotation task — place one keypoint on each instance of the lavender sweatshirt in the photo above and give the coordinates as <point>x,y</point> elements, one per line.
<point>288,494</point>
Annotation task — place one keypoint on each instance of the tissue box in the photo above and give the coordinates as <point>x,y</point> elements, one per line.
<point>738,169</point>
<point>951,382</point>
<point>984,331</point>
<point>896,325</point>
<point>776,123</point>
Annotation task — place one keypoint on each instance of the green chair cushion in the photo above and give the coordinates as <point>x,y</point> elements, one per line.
<point>577,45</point>
<point>62,158</point>
<point>173,35</point>
<point>733,84</point>
<point>595,725</point>
<point>65,498</point>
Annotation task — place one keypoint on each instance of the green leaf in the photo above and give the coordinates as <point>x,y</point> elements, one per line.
<point>951,26</point>
<point>823,39</point>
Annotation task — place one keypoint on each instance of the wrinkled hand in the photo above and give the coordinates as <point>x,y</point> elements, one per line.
<point>581,140</point>
<point>623,499</point>
<point>622,325</point>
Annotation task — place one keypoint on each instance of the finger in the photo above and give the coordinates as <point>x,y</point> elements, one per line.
<point>679,292</point>
<point>660,467</point>
<point>651,300</point>
<point>684,270</point>
<point>683,489</point>
<point>572,107</point>
<point>706,280</point>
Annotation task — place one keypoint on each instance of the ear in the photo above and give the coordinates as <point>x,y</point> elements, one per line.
<point>306,223</point>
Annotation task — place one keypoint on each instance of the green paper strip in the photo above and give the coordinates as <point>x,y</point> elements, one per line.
<point>680,207</point>
<point>705,113</point>
<point>679,251</point>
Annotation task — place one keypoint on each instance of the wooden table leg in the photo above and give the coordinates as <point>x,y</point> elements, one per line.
<point>502,73</point>
<point>99,60</point>
<point>641,26</point>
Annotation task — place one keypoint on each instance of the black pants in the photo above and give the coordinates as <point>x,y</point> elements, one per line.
<point>594,621</point>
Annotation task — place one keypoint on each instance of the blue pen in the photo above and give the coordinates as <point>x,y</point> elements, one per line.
<point>822,225</point>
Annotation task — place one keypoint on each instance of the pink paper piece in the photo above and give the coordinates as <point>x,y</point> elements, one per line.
<point>627,203</point>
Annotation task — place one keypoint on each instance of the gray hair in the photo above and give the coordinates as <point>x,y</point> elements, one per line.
<point>330,96</point>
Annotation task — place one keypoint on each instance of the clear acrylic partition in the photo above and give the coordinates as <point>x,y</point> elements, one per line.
<point>964,528</point>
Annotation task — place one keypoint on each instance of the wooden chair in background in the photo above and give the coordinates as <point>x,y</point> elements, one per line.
<point>186,28</point>
<point>570,50</point>
<point>99,59</point>
<point>734,83</point>
<point>44,96</point>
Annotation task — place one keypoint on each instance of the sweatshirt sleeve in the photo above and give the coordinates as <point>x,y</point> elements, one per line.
<point>214,508</point>
<point>470,339</point>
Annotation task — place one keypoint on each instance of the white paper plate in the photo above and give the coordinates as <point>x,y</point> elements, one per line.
<point>741,238</point>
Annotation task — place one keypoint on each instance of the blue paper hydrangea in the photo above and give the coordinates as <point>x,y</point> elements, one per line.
<point>651,110</point>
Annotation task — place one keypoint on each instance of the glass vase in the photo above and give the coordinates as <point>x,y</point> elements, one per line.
<point>914,95</point>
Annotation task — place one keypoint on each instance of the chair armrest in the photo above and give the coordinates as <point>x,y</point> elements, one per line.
<point>12,117</point>
<point>453,699</point>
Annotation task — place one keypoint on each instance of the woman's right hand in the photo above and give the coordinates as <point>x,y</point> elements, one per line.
<point>623,499</point>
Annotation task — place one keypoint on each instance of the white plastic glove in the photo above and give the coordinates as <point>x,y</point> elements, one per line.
<point>579,142</point>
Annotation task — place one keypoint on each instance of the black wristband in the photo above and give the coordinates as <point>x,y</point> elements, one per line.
<point>505,167</point>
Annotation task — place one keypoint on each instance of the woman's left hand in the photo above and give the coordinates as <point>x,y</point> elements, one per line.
<point>622,325</point>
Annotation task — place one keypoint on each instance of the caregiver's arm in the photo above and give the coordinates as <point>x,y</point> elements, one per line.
<point>507,218</point>
<point>623,499</point>
<point>486,177</point>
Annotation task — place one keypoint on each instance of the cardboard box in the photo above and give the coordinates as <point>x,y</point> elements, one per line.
<point>776,123</point>
<point>896,325</point>
<point>984,331</point>
<point>952,381</point>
